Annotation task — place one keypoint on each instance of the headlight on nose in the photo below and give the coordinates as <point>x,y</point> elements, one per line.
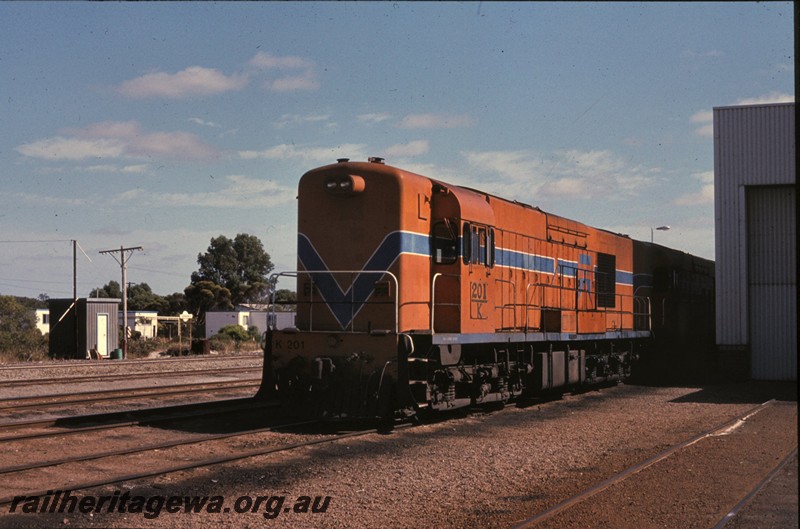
<point>345,185</point>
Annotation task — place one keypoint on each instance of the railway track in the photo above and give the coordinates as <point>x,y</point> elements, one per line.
<point>194,441</point>
<point>106,364</point>
<point>124,376</point>
<point>578,500</point>
<point>87,397</point>
<point>159,456</point>
<point>731,515</point>
<point>72,425</point>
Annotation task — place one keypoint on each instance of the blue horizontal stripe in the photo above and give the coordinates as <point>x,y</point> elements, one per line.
<point>524,261</point>
<point>345,304</point>
<point>414,243</point>
<point>624,278</point>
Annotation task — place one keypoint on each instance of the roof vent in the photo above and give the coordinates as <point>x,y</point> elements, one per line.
<point>342,160</point>
<point>375,159</point>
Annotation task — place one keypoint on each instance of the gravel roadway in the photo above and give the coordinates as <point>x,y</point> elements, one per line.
<point>490,469</point>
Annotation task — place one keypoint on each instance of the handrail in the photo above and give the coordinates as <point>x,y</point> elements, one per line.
<point>514,306</point>
<point>527,305</point>
<point>642,306</point>
<point>638,301</point>
<point>295,273</point>
<point>436,276</point>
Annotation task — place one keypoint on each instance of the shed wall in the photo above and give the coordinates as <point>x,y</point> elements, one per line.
<point>754,146</point>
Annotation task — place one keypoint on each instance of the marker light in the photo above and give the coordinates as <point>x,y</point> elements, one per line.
<point>345,184</point>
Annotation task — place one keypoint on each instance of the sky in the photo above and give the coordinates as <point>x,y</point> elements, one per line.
<point>162,125</point>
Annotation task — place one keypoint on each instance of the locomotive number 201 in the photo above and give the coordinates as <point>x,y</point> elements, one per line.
<point>291,345</point>
<point>477,292</point>
<point>478,297</point>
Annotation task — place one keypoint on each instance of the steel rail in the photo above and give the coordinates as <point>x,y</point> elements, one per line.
<point>144,448</point>
<point>625,474</point>
<point>117,419</point>
<point>758,488</point>
<point>126,376</point>
<point>130,393</point>
<point>198,464</point>
<point>110,364</point>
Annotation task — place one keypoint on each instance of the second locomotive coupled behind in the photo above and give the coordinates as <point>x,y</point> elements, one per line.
<point>416,294</point>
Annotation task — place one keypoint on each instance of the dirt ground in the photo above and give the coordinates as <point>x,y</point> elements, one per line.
<point>493,469</point>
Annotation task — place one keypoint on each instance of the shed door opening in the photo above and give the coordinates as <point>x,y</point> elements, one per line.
<point>772,281</point>
<point>102,334</point>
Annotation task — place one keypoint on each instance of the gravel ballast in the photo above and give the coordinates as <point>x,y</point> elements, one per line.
<point>482,470</point>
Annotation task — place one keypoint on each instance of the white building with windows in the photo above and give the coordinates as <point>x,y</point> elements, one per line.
<point>144,322</point>
<point>43,320</point>
<point>246,317</point>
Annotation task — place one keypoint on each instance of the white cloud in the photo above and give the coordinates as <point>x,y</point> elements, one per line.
<point>57,200</point>
<point>195,80</point>
<point>205,123</point>
<point>526,175</point>
<point>702,197</point>
<point>308,154</point>
<point>293,83</point>
<point>241,192</point>
<point>61,148</point>
<point>181,145</point>
<point>304,79</point>
<point>705,121</point>
<point>114,139</point>
<point>772,97</point>
<point>436,121</point>
<point>238,191</point>
<point>287,120</point>
<point>412,148</point>
<point>705,118</point>
<point>108,168</point>
<point>267,61</point>
<point>374,118</point>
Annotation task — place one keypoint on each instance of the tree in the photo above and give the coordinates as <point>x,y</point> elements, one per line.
<point>236,333</point>
<point>285,300</point>
<point>239,265</point>
<point>140,296</point>
<point>18,330</point>
<point>204,296</point>
<point>110,290</point>
<point>176,303</point>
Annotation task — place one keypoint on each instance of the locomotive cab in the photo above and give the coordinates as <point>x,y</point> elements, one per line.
<point>362,281</point>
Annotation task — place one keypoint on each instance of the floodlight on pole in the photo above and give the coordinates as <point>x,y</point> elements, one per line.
<point>660,228</point>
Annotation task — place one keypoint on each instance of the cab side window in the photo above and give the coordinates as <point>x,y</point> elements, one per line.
<point>478,245</point>
<point>445,244</point>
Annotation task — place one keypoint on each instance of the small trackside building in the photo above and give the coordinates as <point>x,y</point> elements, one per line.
<point>755,203</point>
<point>84,328</point>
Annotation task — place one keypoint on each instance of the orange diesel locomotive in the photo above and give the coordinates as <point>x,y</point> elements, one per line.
<point>415,294</point>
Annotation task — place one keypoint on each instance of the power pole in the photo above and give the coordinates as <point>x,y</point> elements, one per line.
<point>124,256</point>
<point>75,290</point>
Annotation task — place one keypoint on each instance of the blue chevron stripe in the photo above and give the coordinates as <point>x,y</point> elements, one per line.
<point>345,305</point>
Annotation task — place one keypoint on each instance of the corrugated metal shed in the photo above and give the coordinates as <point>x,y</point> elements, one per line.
<point>755,180</point>
<point>84,325</point>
